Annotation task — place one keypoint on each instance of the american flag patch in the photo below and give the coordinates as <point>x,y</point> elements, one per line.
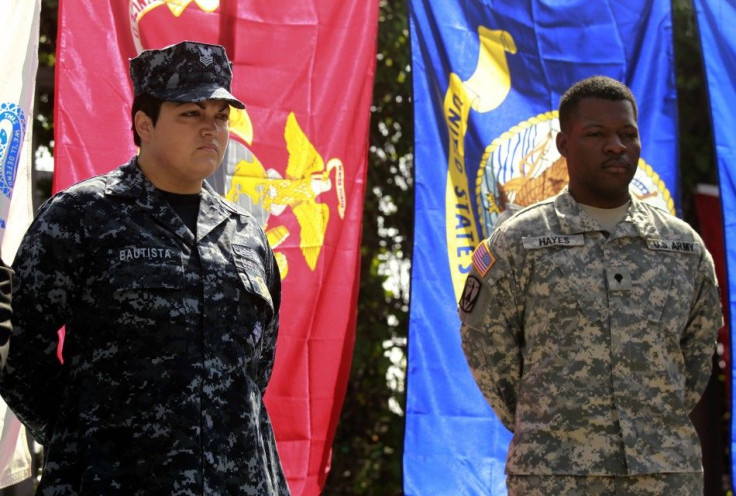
<point>483,259</point>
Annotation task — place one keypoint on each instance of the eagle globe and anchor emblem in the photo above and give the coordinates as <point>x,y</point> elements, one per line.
<point>266,193</point>
<point>243,179</point>
<point>520,167</point>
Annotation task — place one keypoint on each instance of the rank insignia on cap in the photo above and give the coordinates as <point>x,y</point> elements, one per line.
<point>188,71</point>
<point>483,259</point>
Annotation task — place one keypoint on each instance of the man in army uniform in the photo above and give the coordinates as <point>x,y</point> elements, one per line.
<point>589,321</point>
<point>169,295</point>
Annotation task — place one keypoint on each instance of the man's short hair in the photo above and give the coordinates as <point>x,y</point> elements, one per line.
<point>149,105</point>
<point>602,87</point>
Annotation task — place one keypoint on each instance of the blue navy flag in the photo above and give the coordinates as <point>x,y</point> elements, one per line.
<point>716,20</point>
<point>488,76</point>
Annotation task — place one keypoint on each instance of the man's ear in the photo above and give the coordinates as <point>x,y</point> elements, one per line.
<point>143,125</point>
<point>561,142</point>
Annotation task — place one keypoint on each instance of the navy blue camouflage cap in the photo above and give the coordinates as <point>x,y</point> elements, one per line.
<point>185,72</point>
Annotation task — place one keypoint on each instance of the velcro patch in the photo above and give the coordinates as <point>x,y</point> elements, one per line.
<point>471,291</point>
<point>536,242</point>
<point>483,259</point>
<point>618,278</point>
<point>674,245</point>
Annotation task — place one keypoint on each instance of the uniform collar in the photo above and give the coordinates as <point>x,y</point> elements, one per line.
<point>129,181</point>
<point>573,220</point>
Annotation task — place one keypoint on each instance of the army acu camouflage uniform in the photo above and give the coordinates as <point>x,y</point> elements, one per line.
<point>593,350</point>
<point>169,344</point>
<point>680,484</point>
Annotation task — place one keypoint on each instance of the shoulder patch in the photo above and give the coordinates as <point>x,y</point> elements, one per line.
<point>470,294</point>
<point>483,259</point>
<point>536,242</point>
<point>674,245</point>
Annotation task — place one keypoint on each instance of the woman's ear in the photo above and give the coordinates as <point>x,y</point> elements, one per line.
<point>143,125</point>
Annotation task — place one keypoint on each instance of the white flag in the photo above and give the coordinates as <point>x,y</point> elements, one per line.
<point>19,27</point>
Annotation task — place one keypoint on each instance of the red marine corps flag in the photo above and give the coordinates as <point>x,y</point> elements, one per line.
<point>296,159</point>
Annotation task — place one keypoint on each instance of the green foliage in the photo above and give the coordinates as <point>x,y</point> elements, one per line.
<point>43,128</point>
<point>697,156</point>
<point>368,445</point>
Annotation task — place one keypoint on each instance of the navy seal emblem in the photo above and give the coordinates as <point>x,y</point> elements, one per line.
<point>12,131</point>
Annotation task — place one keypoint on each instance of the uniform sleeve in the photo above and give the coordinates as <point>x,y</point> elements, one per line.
<point>272,326</point>
<point>491,331</point>
<point>698,339</point>
<point>45,270</point>
<point>6,282</point>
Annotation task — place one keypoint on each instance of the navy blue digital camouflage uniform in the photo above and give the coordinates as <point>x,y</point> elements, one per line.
<point>6,281</point>
<point>169,344</point>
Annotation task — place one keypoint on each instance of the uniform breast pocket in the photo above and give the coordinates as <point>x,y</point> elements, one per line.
<point>551,317</point>
<point>148,293</point>
<point>252,274</point>
<point>667,296</point>
<point>565,307</point>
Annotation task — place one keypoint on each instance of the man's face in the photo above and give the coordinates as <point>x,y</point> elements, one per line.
<point>602,150</point>
<point>186,145</point>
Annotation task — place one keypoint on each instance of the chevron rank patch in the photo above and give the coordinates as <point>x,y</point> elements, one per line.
<point>483,259</point>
